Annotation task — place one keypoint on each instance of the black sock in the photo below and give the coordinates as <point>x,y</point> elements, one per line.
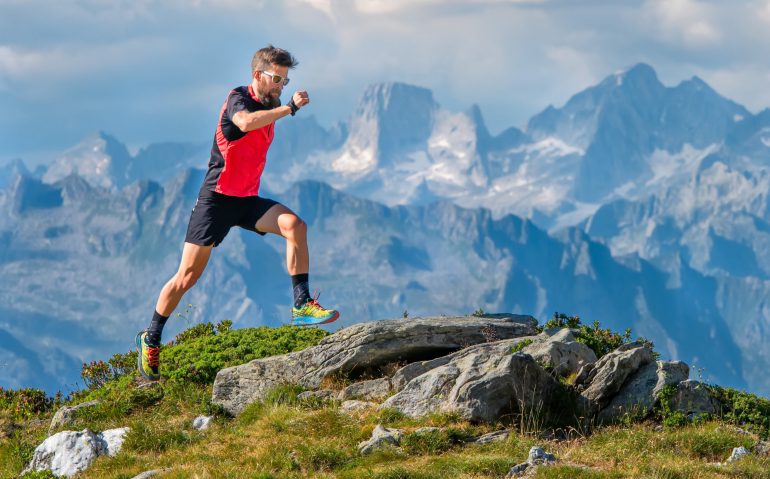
<point>156,329</point>
<point>301,289</point>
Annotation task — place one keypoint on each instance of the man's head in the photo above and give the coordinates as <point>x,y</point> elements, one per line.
<point>269,70</point>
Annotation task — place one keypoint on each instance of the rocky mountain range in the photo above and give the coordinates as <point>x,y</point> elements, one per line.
<point>635,204</point>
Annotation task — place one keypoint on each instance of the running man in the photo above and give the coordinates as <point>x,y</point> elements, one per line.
<point>230,197</point>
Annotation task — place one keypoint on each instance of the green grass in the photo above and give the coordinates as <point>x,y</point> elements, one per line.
<point>283,437</point>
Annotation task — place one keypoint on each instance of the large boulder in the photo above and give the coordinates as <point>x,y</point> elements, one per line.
<point>362,348</point>
<point>611,371</point>
<point>482,383</point>
<point>640,392</point>
<point>69,452</point>
<point>694,397</point>
<point>560,352</point>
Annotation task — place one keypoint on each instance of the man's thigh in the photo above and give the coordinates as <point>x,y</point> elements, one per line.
<point>274,218</point>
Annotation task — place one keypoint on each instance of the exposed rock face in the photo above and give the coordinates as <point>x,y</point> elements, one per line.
<point>640,392</point>
<point>694,397</point>
<point>372,390</point>
<point>560,352</point>
<point>352,406</point>
<point>359,348</point>
<point>69,452</point>
<point>611,371</point>
<point>481,382</point>
<point>66,414</point>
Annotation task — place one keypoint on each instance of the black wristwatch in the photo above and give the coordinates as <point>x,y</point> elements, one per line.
<point>293,106</point>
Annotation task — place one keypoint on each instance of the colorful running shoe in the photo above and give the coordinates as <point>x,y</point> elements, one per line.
<point>149,358</point>
<point>313,313</point>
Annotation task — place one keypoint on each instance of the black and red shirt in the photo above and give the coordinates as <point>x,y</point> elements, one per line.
<point>238,158</point>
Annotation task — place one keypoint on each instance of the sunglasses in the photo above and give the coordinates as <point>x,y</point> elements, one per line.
<point>277,78</point>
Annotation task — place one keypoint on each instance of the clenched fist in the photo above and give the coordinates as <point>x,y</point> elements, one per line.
<point>300,98</point>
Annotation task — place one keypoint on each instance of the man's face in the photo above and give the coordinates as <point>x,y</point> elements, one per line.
<point>269,93</point>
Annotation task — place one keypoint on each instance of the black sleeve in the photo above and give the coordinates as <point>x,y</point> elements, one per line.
<point>235,102</point>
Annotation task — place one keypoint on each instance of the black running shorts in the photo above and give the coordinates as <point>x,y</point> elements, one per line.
<point>214,214</point>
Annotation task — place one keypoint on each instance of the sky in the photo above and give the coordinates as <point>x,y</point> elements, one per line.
<point>150,71</point>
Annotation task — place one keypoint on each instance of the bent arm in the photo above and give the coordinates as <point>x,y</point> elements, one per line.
<point>248,121</point>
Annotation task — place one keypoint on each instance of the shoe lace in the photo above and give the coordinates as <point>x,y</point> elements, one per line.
<point>153,356</point>
<point>313,301</point>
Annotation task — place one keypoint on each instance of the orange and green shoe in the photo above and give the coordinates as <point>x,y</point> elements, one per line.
<point>313,313</point>
<point>149,358</point>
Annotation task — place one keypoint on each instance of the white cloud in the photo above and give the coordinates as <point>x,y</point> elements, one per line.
<point>688,21</point>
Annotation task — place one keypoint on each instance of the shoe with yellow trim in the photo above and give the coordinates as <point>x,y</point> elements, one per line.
<point>149,358</point>
<point>313,313</point>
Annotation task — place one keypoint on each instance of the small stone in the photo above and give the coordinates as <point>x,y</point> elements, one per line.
<point>149,474</point>
<point>201,423</point>
<point>517,470</point>
<point>538,456</point>
<point>495,436</point>
<point>66,415</point>
<point>380,437</point>
<point>738,452</point>
<point>762,448</point>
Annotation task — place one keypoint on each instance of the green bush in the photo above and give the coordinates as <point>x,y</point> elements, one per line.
<point>26,402</point>
<point>601,341</point>
<point>744,409</point>
<point>200,353</point>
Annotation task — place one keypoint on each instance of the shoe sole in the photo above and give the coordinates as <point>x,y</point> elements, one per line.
<point>326,321</point>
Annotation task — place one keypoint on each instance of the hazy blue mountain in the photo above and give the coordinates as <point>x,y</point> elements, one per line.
<point>82,266</point>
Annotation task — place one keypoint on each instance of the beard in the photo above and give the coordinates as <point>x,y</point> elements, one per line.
<point>269,99</point>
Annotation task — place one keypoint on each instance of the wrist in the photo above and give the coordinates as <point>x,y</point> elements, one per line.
<point>292,106</point>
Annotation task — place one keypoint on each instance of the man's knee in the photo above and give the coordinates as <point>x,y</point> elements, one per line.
<point>292,226</point>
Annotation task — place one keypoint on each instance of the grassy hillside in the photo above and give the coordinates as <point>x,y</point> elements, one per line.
<point>283,437</point>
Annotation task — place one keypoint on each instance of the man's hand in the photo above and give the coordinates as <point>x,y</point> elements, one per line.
<point>300,98</point>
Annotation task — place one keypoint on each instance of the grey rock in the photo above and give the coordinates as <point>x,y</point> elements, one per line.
<point>412,370</point>
<point>538,456</point>
<point>693,397</point>
<point>380,437</point>
<point>517,470</point>
<point>611,371</point>
<point>426,430</point>
<point>640,392</point>
<point>201,423</point>
<point>583,374</point>
<point>494,436</point>
<point>322,394</point>
<point>561,352</point>
<point>67,453</point>
<point>352,406</point>
<point>66,415</point>
<point>373,389</point>
<point>762,448</point>
<point>738,453</point>
<point>149,474</point>
<point>481,382</point>
<point>357,348</point>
